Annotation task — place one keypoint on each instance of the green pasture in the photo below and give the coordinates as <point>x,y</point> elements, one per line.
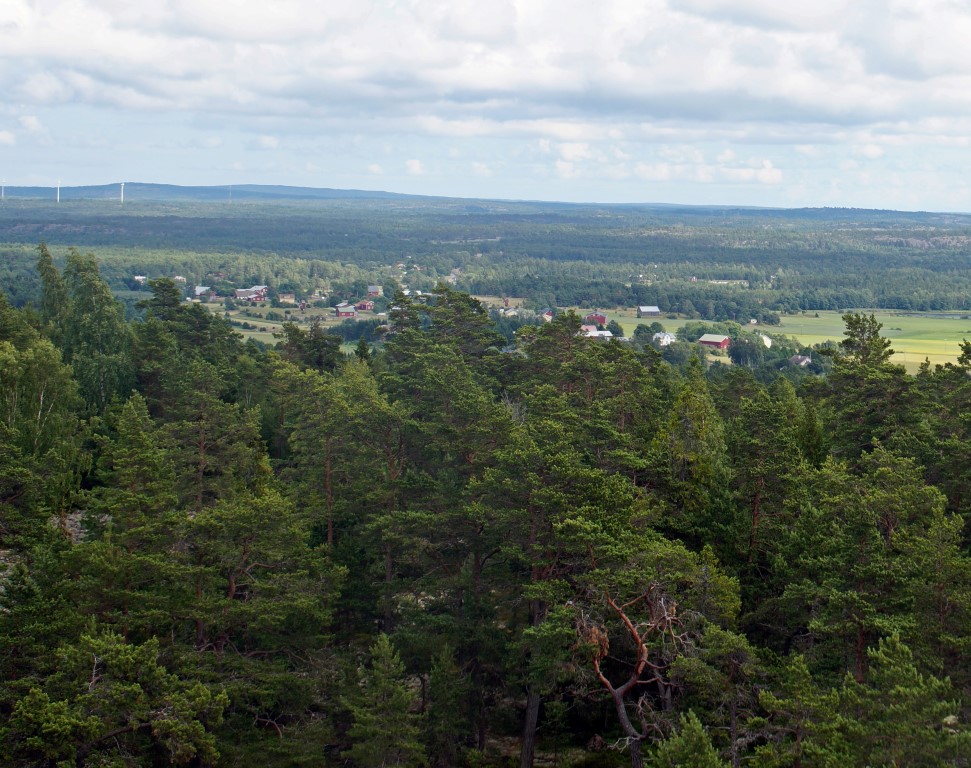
<point>914,337</point>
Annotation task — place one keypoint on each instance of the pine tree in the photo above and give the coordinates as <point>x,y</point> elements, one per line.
<point>385,732</point>
<point>447,722</point>
<point>900,717</point>
<point>690,747</point>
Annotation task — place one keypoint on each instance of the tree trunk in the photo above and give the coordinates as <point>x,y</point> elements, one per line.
<point>537,611</point>
<point>330,496</point>
<point>533,700</point>
<point>633,737</point>
<point>636,758</point>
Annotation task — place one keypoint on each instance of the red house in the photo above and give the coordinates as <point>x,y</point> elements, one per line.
<point>715,340</point>
<point>596,318</point>
<point>345,310</point>
<point>365,306</point>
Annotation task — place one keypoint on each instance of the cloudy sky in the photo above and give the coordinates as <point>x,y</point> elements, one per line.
<point>820,102</point>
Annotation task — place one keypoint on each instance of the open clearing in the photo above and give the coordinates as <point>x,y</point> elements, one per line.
<point>915,337</point>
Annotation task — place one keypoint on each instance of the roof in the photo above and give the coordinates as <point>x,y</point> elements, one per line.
<point>713,338</point>
<point>649,309</point>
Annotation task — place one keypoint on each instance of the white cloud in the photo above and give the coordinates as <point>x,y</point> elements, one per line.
<point>565,169</point>
<point>689,92</point>
<point>375,169</point>
<point>573,151</point>
<point>7,139</point>
<point>765,173</point>
<point>31,124</point>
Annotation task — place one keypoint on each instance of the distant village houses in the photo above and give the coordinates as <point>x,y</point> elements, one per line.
<point>591,332</point>
<point>596,318</point>
<point>256,293</point>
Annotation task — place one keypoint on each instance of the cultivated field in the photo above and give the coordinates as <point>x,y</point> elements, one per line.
<point>915,337</point>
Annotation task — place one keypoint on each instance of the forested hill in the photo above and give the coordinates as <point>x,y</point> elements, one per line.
<point>713,263</point>
<point>447,551</point>
<point>141,192</point>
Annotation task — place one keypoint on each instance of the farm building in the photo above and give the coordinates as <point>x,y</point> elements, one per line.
<point>715,341</point>
<point>256,293</point>
<point>648,311</point>
<point>596,318</point>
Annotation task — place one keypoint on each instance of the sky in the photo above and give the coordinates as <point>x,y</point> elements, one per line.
<point>736,102</point>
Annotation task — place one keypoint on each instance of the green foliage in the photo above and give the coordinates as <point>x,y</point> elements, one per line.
<point>901,717</point>
<point>802,726</point>
<point>446,719</point>
<point>115,701</point>
<point>690,747</point>
<point>572,541</point>
<point>385,731</point>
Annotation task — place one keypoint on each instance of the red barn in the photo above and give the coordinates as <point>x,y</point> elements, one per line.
<point>596,318</point>
<point>715,340</point>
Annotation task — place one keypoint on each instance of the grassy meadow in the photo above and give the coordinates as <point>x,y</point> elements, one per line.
<point>914,336</point>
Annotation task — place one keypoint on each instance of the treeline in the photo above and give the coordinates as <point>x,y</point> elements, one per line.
<point>723,262</point>
<point>439,553</point>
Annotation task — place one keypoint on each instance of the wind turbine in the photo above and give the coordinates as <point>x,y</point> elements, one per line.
<point>122,195</point>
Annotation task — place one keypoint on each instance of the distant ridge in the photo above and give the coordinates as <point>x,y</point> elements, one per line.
<point>138,191</point>
<point>277,193</point>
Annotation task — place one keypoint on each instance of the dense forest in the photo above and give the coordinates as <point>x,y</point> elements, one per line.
<point>446,551</point>
<point>709,263</point>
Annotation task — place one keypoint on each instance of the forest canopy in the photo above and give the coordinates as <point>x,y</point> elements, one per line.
<point>447,550</point>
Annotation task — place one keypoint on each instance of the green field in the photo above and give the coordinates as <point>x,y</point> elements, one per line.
<point>915,337</point>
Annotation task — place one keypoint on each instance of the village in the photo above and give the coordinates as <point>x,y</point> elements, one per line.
<point>259,313</point>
